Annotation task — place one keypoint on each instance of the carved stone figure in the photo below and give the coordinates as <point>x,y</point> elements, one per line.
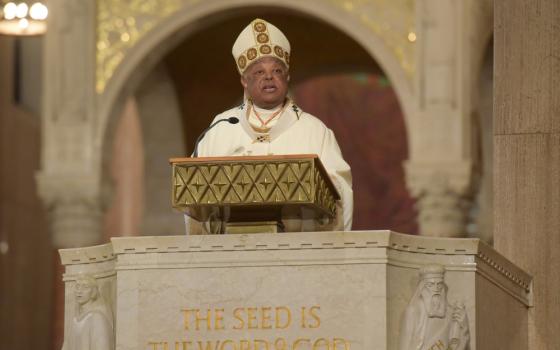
<point>92,327</point>
<point>429,321</point>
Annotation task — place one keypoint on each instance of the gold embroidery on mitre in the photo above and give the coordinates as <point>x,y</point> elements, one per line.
<point>241,61</point>
<point>262,38</point>
<point>279,51</point>
<point>265,49</point>
<point>252,54</point>
<point>259,27</point>
<point>287,58</point>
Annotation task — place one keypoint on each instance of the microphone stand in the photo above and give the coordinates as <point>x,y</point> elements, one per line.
<point>231,120</point>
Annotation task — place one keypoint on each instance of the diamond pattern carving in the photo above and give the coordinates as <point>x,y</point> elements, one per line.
<point>242,183</point>
<point>265,183</point>
<point>220,185</point>
<point>197,185</point>
<point>271,182</point>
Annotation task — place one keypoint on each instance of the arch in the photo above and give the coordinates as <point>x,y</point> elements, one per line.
<point>155,44</point>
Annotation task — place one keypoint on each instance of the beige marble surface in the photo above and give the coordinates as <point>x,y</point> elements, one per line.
<point>344,290</point>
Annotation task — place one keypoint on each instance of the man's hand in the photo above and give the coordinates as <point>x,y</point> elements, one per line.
<point>460,336</point>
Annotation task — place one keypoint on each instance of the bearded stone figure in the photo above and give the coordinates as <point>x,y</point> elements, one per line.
<point>429,321</point>
<point>92,327</point>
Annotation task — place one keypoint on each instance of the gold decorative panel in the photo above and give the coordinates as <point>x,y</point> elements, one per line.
<point>122,24</point>
<point>391,20</point>
<point>252,187</point>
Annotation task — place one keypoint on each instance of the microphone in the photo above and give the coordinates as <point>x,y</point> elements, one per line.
<point>231,120</point>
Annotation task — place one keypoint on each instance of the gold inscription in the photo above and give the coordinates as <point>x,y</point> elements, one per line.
<point>280,344</point>
<point>210,319</point>
<point>439,345</point>
<point>257,344</point>
<point>244,344</point>
<point>208,345</point>
<point>252,318</point>
<point>260,344</point>
<point>266,318</point>
<point>279,317</point>
<point>233,345</point>
<point>310,317</point>
<point>237,315</point>
<point>340,341</point>
<point>321,343</point>
<point>219,319</point>
<point>255,318</point>
<point>287,317</point>
<point>300,341</point>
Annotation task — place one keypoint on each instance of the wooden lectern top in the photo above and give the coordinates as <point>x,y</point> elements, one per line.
<point>246,188</point>
<point>228,158</point>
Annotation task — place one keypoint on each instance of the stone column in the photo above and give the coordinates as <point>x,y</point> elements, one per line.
<point>74,210</point>
<point>163,138</point>
<point>442,193</point>
<point>439,172</point>
<point>527,153</point>
<point>69,179</point>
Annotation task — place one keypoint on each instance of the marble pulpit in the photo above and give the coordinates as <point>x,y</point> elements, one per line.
<point>359,290</point>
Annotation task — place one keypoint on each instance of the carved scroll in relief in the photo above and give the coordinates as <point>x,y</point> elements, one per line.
<point>430,322</point>
<point>92,326</point>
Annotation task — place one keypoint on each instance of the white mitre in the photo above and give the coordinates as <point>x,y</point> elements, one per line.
<point>260,39</point>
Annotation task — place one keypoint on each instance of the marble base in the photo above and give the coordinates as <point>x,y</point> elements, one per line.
<point>295,291</point>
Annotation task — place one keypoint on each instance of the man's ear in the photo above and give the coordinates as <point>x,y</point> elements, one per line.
<point>243,81</point>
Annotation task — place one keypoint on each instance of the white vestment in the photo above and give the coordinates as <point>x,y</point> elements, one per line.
<point>90,331</point>
<point>294,132</point>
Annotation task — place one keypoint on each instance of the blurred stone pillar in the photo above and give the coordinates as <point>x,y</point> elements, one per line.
<point>124,215</point>
<point>74,210</point>
<point>527,153</point>
<point>443,197</point>
<point>69,179</point>
<point>439,171</point>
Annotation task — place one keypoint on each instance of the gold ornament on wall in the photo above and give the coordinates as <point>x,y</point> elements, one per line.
<point>122,24</point>
<point>392,21</point>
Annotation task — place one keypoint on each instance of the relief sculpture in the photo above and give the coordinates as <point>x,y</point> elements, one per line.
<point>92,326</point>
<point>430,322</point>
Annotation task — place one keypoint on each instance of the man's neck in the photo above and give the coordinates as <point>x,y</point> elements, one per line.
<point>269,108</point>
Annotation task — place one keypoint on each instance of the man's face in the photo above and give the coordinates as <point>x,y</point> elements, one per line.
<point>84,292</point>
<point>435,285</point>
<point>266,82</point>
<point>434,294</point>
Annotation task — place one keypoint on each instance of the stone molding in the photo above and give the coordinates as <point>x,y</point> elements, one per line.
<point>466,254</point>
<point>87,255</point>
<point>285,241</point>
<point>504,274</point>
<point>97,261</point>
